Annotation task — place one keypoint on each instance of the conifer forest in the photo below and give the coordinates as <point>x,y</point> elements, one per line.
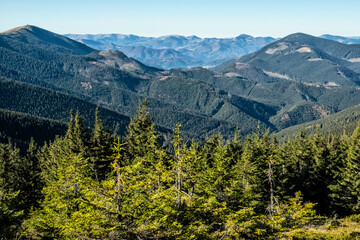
<point>91,184</point>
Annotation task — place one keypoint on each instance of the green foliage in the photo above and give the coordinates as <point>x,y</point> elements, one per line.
<point>292,215</point>
<point>77,200</point>
<point>141,137</point>
<point>346,189</point>
<point>20,186</point>
<point>86,185</point>
<point>9,216</point>
<point>74,205</point>
<point>101,141</point>
<point>308,159</point>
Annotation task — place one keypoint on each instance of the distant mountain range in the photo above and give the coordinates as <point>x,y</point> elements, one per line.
<point>291,81</point>
<point>345,40</point>
<point>175,51</point>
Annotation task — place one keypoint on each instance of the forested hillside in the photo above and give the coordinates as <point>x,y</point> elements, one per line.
<point>92,185</point>
<point>306,58</point>
<point>112,80</point>
<point>338,123</point>
<point>46,103</point>
<point>20,128</point>
<point>305,77</point>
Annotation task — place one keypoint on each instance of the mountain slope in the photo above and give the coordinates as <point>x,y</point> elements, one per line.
<point>48,40</point>
<point>304,77</point>
<point>337,123</point>
<point>20,128</point>
<point>294,102</point>
<point>46,103</point>
<point>304,58</point>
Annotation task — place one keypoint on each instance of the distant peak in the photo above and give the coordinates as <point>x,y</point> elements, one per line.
<point>194,37</point>
<point>328,35</point>
<point>244,36</point>
<point>28,27</point>
<point>174,36</point>
<point>44,38</point>
<point>298,35</point>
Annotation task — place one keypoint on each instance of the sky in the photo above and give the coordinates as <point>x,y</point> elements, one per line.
<point>203,18</point>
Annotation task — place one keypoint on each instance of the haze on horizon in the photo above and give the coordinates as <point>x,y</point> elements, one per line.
<point>203,18</point>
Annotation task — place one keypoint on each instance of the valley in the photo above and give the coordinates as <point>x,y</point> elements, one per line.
<point>291,81</point>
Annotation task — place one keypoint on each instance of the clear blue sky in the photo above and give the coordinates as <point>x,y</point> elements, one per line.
<point>204,18</point>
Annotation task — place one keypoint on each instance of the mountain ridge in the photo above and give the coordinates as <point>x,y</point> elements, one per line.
<point>300,57</point>
<point>47,39</point>
<point>194,51</point>
<point>187,59</point>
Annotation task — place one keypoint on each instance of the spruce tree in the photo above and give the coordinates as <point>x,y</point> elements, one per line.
<point>33,182</point>
<point>143,173</point>
<point>257,158</point>
<point>77,136</point>
<point>304,166</point>
<point>141,136</point>
<point>346,191</point>
<point>100,148</point>
<point>338,159</point>
<point>12,199</point>
<point>74,204</point>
